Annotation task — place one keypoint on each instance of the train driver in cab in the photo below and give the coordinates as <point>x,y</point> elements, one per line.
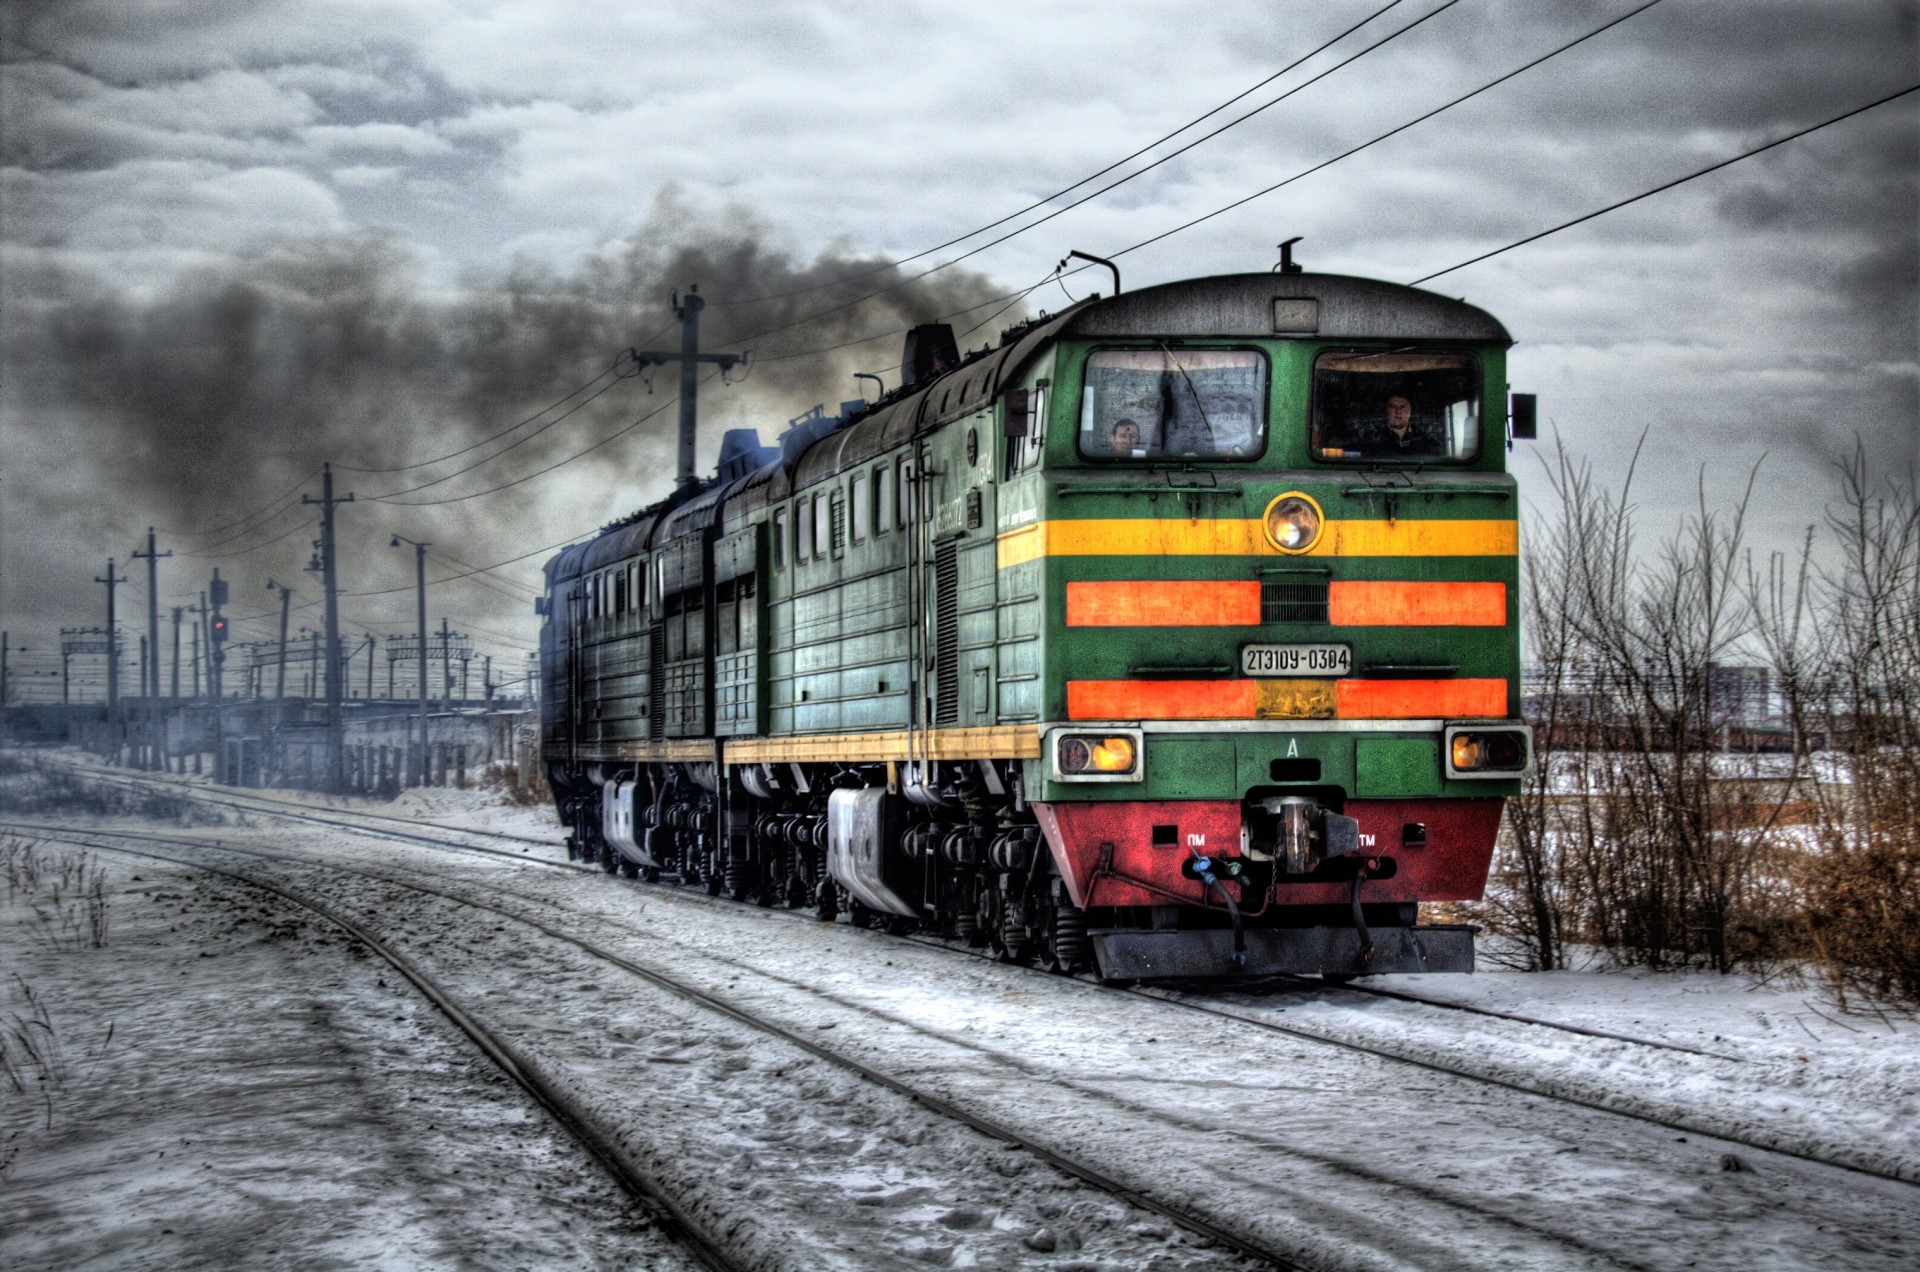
<point>1400,434</point>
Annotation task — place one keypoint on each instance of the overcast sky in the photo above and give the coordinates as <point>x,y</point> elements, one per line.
<point>242,239</point>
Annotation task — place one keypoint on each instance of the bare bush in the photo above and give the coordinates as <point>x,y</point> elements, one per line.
<point>1844,640</point>
<point>1653,826</point>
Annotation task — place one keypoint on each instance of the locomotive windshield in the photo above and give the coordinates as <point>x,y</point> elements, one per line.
<point>1395,406</point>
<point>1160,404</point>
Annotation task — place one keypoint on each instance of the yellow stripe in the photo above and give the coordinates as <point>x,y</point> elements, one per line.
<point>674,750</point>
<point>1002,741</point>
<point>1150,536</point>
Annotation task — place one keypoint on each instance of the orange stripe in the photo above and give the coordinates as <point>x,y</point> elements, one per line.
<point>1419,699</point>
<point>1251,699</point>
<point>1354,604</point>
<point>1230,603</point>
<point>1160,699</point>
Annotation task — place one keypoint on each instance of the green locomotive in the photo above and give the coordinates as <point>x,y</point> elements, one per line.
<point>1175,635</point>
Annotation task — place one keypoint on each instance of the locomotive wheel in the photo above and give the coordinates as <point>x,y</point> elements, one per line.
<point>713,883</point>
<point>1006,941</point>
<point>900,925</point>
<point>826,904</point>
<point>649,874</point>
<point>860,916</point>
<point>797,894</point>
<point>609,858</point>
<point>1047,943</point>
<point>629,869</point>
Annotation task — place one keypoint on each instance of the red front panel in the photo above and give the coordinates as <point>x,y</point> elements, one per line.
<point>1108,856</point>
<point>1106,851</point>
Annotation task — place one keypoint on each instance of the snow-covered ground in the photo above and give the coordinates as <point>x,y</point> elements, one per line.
<point>226,1081</point>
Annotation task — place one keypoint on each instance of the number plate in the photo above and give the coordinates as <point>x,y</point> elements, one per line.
<point>1296,660</point>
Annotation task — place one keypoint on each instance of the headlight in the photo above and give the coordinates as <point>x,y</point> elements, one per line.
<point>1084,753</point>
<point>1293,522</point>
<point>1484,751</point>
<point>1105,756</point>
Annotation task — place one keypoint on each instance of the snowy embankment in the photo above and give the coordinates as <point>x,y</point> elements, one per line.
<point>333,1116</point>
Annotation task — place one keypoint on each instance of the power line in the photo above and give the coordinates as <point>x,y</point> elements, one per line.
<point>906,282</point>
<point>280,499</point>
<point>1715,167</point>
<point>1093,176</point>
<point>1391,132</point>
<point>504,449</point>
<point>288,533</point>
<point>426,463</point>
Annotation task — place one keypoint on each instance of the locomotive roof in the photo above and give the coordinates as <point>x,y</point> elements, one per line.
<point>1344,308</point>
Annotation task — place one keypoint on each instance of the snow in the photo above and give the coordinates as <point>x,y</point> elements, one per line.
<point>270,1096</point>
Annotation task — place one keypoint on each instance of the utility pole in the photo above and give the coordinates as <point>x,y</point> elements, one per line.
<point>329,572</point>
<point>446,666</point>
<point>194,632</point>
<point>174,697</point>
<point>216,663</point>
<point>420,580</point>
<point>486,678</point>
<point>280,681</point>
<point>152,652</point>
<point>113,644</point>
<point>370,644</point>
<point>687,310</point>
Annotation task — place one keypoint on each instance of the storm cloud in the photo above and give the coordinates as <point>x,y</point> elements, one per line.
<point>240,240</point>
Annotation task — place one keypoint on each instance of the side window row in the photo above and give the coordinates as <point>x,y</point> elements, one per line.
<point>621,590</point>
<point>877,502</point>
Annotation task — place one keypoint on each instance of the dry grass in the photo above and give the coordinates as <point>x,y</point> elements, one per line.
<point>65,894</point>
<point>32,786</point>
<point>35,1069</point>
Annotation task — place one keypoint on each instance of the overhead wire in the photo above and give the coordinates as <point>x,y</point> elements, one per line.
<point>517,442</point>
<point>612,369</point>
<point>272,503</point>
<point>1391,132</point>
<point>1068,189</point>
<point>995,242</point>
<point>1668,185</point>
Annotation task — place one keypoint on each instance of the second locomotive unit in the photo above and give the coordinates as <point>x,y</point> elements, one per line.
<point>1177,635</point>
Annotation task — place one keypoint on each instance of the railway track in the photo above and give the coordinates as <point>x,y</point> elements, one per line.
<point>970,1054</point>
<point>1485,1065</point>
<point>601,1143</point>
<point>408,831</point>
<point>598,1143</point>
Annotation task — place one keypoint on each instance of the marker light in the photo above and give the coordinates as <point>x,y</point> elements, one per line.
<point>1488,751</point>
<point>1293,522</point>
